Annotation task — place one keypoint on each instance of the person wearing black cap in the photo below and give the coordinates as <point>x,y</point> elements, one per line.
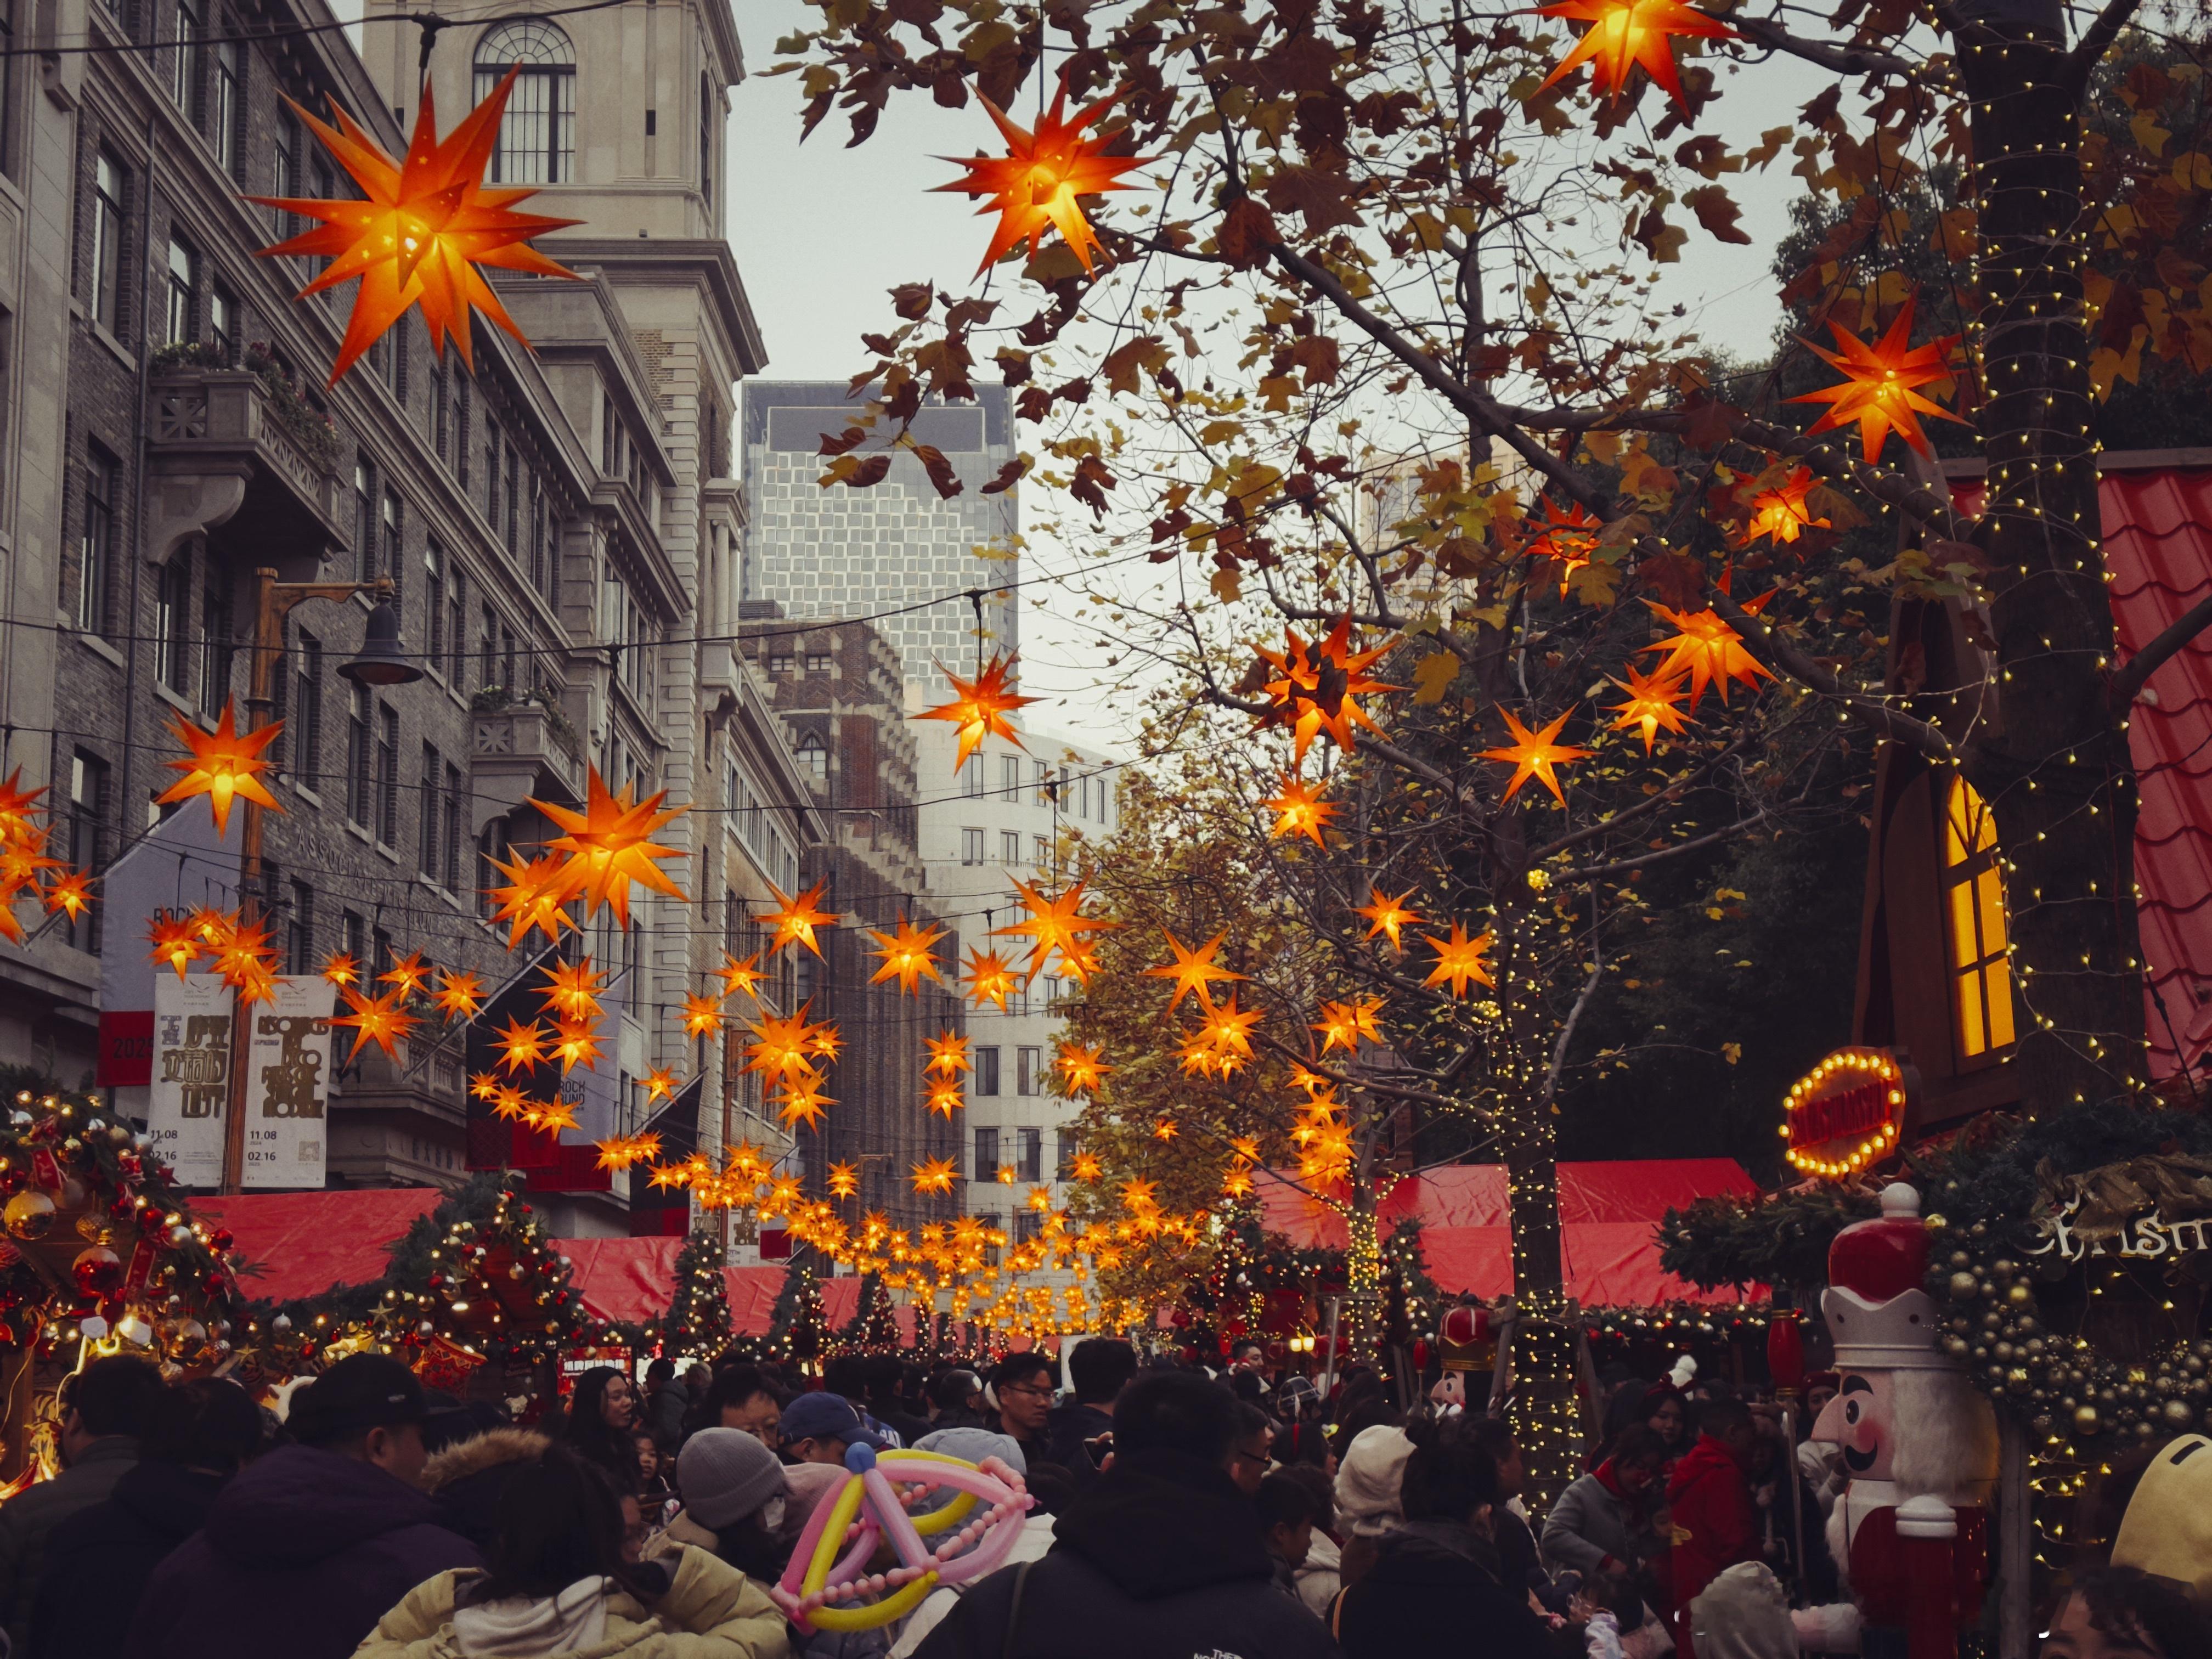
<point>305,1550</point>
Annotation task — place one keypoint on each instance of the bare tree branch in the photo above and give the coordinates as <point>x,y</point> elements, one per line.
<point>2097,39</point>
<point>2129,680</point>
<point>1774,650</point>
<point>1843,60</point>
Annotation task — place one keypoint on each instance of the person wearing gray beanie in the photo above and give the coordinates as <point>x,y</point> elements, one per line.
<point>972,1446</point>
<point>734,1498</point>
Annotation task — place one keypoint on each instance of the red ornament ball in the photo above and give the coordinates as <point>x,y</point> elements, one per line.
<point>98,1271</point>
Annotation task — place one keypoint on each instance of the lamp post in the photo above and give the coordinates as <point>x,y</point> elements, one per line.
<point>381,662</point>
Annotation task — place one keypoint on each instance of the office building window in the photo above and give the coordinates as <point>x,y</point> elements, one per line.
<point>300,931</point>
<point>440,411</point>
<point>1031,1142</point>
<point>184,282</point>
<point>306,730</point>
<point>986,1071</point>
<point>456,815</point>
<point>88,813</point>
<point>491,851</point>
<point>215,638</point>
<point>434,601</point>
<point>707,147</point>
<point>395,362</point>
<point>1039,851</point>
<point>353,934</point>
<point>1046,794</point>
<point>387,775</point>
<point>427,839</point>
<point>971,846</point>
<point>1028,1074</point>
<point>457,628</point>
<point>228,106</point>
<point>971,778</point>
<point>1063,1166</point>
<point>781,661</point>
<point>364,520</point>
<point>358,758</point>
<point>814,757</point>
<point>818,662</point>
<point>511,527</point>
<point>986,1155</point>
<point>284,173</point>
<point>537,133</point>
<point>395,513</point>
<point>491,472</point>
<point>172,610</point>
<point>110,188</point>
<point>185,67</point>
<point>223,324</point>
<point>1009,776</point>
<point>461,400</point>
<point>1010,846</point>
<point>96,542</point>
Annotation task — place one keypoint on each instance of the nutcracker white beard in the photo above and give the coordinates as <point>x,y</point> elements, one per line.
<point>1946,1436</point>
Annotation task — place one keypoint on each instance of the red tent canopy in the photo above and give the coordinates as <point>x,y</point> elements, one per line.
<point>1607,1214</point>
<point>627,1278</point>
<point>305,1242</point>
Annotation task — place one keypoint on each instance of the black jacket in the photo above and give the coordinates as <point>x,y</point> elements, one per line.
<point>1434,1586</point>
<point>97,1562</point>
<point>1065,1431</point>
<point>1161,1559</point>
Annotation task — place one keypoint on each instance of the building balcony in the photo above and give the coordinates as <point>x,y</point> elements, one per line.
<point>518,752</point>
<point>242,449</point>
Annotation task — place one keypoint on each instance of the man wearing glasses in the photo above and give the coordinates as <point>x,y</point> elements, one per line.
<point>1022,1383</point>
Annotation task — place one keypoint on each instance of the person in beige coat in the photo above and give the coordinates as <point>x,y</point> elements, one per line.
<point>559,1583</point>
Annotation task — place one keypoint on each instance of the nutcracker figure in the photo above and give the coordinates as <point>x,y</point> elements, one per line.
<point>1918,1443</point>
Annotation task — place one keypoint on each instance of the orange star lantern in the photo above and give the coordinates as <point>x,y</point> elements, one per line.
<point>1534,754</point>
<point>71,893</point>
<point>948,1055</point>
<point>610,845</point>
<point>844,1181</point>
<point>779,1048</point>
<point>1039,184</point>
<point>1459,959</point>
<point>1879,382</point>
<point>1316,686</point>
<point>1567,540</point>
<point>737,977</point>
<point>1081,1070</point>
<point>377,1020</point>
<point>702,1016</point>
<point>1655,704</point>
<point>341,969</point>
<point>408,975</point>
<point>979,710</point>
<point>796,919</point>
<point>1627,34</point>
<point>459,995</point>
<point>1192,970</point>
<point>1056,926</point>
<point>1780,514</point>
<point>225,764</point>
<point>1343,1023</point>
<point>659,1084</point>
<point>933,1175</point>
<point>422,228</point>
<point>1385,914</point>
<point>521,1046</point>
<point>1300,811</point>
<point>989,978</point>
<point>536,895</point>
<point>906,956</point>
<point>571,992</point>
<point>176,944</point>
<point>1708,650</point>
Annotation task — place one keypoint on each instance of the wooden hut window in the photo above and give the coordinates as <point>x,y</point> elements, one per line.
<point>1981,971</point>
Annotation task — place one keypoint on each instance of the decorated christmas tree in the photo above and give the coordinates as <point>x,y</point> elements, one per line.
<point>698,1317</point>
<point>797,1319</point>
<point>879,1331</point>
<point>494,1286</point>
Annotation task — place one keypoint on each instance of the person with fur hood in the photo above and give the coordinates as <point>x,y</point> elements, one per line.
<point>560,1582</point>
<point>465,1479</point>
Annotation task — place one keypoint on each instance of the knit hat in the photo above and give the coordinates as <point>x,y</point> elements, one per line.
<point>974,1445</point>
<point>725,1475</point>
<point>1368,1479</point>
<point>1743,1615</point>
<point>807,1485</point>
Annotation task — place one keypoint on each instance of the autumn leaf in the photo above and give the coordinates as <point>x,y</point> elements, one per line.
<point>1125,362</point>
<point>1732,1051</point>
<point>1662,240</point>
<point>1433,676</point>
<point>1247,231</point>
<point>1316,355</point>
<point>856,474</point>
<point>1227,586</point>
<point>1717,212</point>
<point>912,299</point>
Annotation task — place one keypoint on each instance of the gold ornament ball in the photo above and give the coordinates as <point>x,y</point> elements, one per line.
<point>2020,1294</point>
<point>2086,1420</point>
<point>29,1215</point>
<point>1965,1287</point>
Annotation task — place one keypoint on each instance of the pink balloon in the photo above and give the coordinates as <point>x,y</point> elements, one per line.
<point>857,1557</point>
<point>795,1571</point>
<point>906,1542</point>
<point>989,1555</point>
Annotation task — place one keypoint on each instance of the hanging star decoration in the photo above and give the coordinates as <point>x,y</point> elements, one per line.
<point>1054,926</point>
<point>804,1102</point>
<point>378,1020</point>
<point>1343,1023</point>
<point>1567,539</point>
<point>737,977</point>
<point>794,920</point>
<point>702,1016</point>
<point>408,975</point>
<point>571,992</point>
<point>980,706</point>
<point>70,893</point>
<point>1654,705</point>
<point>536,895</point>
<point>1387,915</point>
<point>844,1181</point>
<point>1535,755</point>
<point>1317,685</point>
<point>1459,959</point>
<point>458,995</point>
<point>989,978</point>
<point>521,1046</point>
<point>574,1045</point>
<point>1192,970</point>
<point>610,846</point>
<point>906,956</point>
<point>223,765</point>
<point>948,1055</point>
<point>1081,1070</point>
<point>340,968</point>
<point>1781,514</point>
<point>1624,35</point>
<point>659,1084</point>
<point>933,1175</point>
<point>420,229</point>
<point>176,943</point>
<point>1299,810</point>
<point>780,1049</point>
<point>1878,390</point>
<point>1708,650</point>
<point>1039,184</point>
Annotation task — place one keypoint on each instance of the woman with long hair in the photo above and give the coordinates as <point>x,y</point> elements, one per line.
<point>559,1582</point>
<point>600,1415</point>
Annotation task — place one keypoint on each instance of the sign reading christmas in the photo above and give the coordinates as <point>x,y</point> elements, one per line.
<point>1847,1112</point>
<point>288,1081</point>
<point>190,1084</point>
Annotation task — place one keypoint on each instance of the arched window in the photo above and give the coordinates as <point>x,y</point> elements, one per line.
<point>1981,971</point>
<point>814,756</point>
<point>537,133</point>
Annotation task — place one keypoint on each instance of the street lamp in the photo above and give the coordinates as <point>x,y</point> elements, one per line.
<point>381,662</point>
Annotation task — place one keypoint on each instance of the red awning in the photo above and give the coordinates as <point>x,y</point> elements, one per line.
<point>1608,1214</point>
<point>305,1242</point>
<point>626,1279</point>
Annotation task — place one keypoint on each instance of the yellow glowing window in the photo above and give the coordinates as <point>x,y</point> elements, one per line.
<point>1981,976</point>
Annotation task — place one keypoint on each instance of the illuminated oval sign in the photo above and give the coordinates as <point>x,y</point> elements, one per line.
<point>1847,1112</point>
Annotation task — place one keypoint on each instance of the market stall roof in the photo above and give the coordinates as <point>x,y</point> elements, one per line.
<point>1608,1213</point>
<point>625,1279</point>
<point>305,1242</point>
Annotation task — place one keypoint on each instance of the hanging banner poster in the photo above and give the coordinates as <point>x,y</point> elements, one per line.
<point>189,1086</point>
<point>288,1079</point>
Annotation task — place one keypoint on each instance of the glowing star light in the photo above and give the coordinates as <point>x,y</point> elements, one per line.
<point>1054,926</point>
<point>420,229</point>
<point>906,956</point>
<point>659,1084</point>
<point>224,764</point>
<point>1192,970</point>
<point>1780,514</point>
<point>1388,915</point>
<point>521,1046</point>
<point>1708,650</point>
<point>979,708</point>
<point>989,978</point>
<point>1626,34</point>
<point>536,895</point>
<point>844,1181</point>
<point>1534,754</point>
<point>610,845</point>
<point>408,975</point>
<point>1343,1023</point>
<point>341,969</point>
<point>948,1055</point>
<point>1567,539</point>
<point>176,944</point>
<point>1317,686</point>
<point>376,1019</point>
<point>1039,184</point>
<point>702,1016</point>
<point>571,993</point>
<point>1654,705</point>
<point>795,918</point>
<point>1081,1070</point>
<point>459,995</point>
<point>933,1175</point>
<point>1459,959</point>
<point>737,977</point>
<point>71,893</point>
<point>1879,382</point>
<point>1300,811</point>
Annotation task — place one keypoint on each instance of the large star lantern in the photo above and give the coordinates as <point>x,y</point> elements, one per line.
<point>1038,185</point>
<point>1625,35</point>
<point>610,845</point>
<point>1878,390</point>
<point>224,764</point>
<point>421,230</point>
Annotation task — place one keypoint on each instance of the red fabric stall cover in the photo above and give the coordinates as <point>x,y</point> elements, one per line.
<point>305,1242</point>
<point>1608,1212</point>
<point>627,1278</point>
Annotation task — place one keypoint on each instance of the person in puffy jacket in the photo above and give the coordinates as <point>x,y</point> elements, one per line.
<point>557,1583</point>
<point>1602,1522</point>
<point>303,1551</point>
<point>466,1478</point>
<point>1708,1503</point>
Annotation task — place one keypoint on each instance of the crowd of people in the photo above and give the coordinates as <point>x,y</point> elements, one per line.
<point>1179,1511</point>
